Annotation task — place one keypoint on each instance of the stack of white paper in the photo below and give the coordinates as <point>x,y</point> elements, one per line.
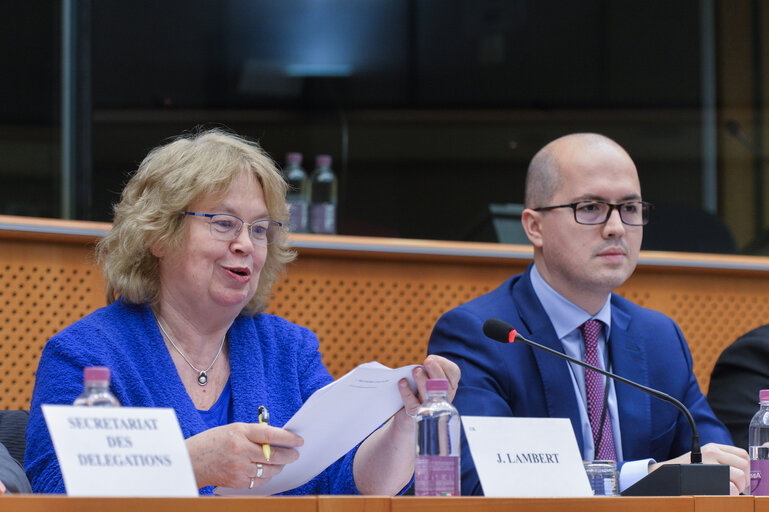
<point>333,420</point>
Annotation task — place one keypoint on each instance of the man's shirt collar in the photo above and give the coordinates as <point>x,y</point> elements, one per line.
<point>564,314</point>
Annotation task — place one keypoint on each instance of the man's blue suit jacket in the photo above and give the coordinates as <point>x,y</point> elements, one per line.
<point>517,380</point>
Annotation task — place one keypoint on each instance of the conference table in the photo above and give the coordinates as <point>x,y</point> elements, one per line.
<point>39,503</point>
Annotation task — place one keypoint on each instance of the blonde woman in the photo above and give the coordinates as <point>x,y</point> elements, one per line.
<point>195,248</point>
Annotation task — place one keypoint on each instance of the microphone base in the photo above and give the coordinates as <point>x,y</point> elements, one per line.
<point>683,480</point>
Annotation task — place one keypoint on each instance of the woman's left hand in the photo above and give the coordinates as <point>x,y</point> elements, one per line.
<point>384,462</point>
<point>434,367</point>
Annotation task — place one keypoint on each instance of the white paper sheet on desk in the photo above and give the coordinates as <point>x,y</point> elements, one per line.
<point>333,420</point>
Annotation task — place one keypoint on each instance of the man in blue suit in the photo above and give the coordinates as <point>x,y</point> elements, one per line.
<point>584,216</point>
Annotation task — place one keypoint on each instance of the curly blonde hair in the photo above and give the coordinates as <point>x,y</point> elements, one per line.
<point>169,179</point>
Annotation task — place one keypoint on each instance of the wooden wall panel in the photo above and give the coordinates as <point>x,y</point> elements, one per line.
<point>711,308</point>
<point>367,299</point>
<point>44,287</point>
<point>377,309</point>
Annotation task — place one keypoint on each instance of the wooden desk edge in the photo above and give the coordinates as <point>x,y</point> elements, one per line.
<point>72,231</point>
<point>39,502</point>
<point>61,503</point>
<point>35,503</point>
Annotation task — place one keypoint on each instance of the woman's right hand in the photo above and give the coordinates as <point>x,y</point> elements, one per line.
<point>227,456</point>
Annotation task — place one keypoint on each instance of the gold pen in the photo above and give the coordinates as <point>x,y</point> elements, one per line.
<point>264,419</point>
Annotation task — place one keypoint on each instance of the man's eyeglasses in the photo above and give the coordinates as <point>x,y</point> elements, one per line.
<point>224,226</point>
<point>632,213</point>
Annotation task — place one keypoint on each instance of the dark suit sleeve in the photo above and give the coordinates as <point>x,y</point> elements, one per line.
<point>12,474</point>
<point>710,428</point>
<point>458,336</point>
<point>12,444</point>
<point>650,427</point>
<point>740,373</point>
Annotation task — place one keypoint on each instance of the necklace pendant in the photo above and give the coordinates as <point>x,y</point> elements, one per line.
<point>202,379</point>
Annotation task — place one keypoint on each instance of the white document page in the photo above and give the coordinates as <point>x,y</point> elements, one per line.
<point>526,457</point>
<point>333,420</point>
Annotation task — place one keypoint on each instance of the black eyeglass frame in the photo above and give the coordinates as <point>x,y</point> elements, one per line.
<point>648,207</point>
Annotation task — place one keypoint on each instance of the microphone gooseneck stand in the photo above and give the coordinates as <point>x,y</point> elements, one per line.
<point>668,480</point>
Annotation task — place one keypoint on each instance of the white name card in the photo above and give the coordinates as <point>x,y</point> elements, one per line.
<point>526,457</point>
<point>120,451</point>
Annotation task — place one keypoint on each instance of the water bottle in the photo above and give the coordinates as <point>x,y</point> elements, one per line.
<point>96,393</point>
<point>436,471</point>
<point>758,447</point>
<point>297,196</point>
<point>323,197</point>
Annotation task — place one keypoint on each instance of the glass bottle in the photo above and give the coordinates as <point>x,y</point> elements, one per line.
<point>323,197</point>
<point>758,447</point>
<point>437,443</point>
<point>298,192</point>
<point>96,381</point>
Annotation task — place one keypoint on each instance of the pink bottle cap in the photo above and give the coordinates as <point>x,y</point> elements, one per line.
<point>294,158</point>
<point>92,373</point>
<point>437,385</point>
<point>763,395</point>
<point>322,160</point>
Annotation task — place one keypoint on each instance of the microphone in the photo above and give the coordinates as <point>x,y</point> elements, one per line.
<point>502,331</point>
<point>668,480</point>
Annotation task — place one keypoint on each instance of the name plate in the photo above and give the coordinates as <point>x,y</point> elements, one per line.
<point>526,457</point>
<point>120,451</point>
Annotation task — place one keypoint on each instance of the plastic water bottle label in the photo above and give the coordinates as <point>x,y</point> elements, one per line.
<point>323,218</point>
<point>298,216</point>
<point>436,475</point>
<point>759,477</point>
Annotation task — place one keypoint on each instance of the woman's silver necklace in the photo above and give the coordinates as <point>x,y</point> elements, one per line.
<point>202,374</point>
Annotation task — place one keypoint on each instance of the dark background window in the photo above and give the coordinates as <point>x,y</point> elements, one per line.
<point>431,108</point>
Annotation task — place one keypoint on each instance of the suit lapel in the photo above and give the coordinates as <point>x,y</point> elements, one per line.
<point>629,360</point>
<point>556,379</point>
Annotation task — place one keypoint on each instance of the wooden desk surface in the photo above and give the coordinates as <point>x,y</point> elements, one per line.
<point>35,503</point>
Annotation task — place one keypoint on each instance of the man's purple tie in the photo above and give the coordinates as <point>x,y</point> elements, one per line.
<point>594,388</point>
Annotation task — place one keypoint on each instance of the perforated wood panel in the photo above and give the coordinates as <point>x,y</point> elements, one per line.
<point>364,310</point>
<point>384,310</point>
<point>363,307</point>
<point>43,288</point>
<point>711,308</point>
